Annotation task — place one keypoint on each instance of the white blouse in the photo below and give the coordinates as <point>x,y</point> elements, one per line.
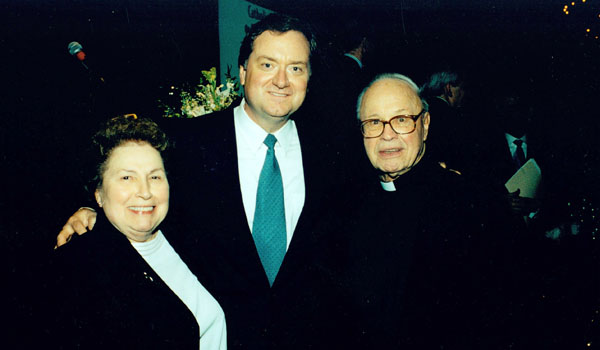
<point>167,264</point>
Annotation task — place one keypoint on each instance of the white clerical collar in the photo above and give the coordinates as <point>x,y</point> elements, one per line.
<point>253,136</point>
<point>388,186</point>
<point>355,59</point>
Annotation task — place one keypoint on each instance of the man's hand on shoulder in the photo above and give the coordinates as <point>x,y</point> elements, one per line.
<point>80,222</point>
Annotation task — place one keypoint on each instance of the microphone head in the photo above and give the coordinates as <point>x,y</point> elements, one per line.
<point>80,55</point>
<point>74,47</point>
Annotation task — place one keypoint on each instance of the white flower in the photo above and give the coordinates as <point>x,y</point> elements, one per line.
<point>205,97</point>
<point>198,111</point>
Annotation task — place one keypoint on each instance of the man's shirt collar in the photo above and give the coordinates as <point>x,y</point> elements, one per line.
<point>443,99</point>
<point>510,138</point>
<point>355,59</point>
<point>253,135</point>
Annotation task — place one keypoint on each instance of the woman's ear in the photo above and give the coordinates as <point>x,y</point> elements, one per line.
<point>98,196</point>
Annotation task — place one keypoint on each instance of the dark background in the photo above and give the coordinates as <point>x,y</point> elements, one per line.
<point>50,102</point>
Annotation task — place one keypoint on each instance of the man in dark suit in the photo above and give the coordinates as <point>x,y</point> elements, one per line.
<point>341,77</point>
<point>448,142</point>
<point>347,70</point>
<point>505,147</point>
<point>267,281</point>
<point>510,139</point>
<point>411,271</point>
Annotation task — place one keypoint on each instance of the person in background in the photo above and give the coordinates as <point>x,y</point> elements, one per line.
<point>448,141</point>
<point>334,93</point>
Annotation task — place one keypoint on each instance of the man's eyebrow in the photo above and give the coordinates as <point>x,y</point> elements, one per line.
<point>266,58</point>
<point>274,60</point>
<point>396,112</point>
<point>375,116</point>
<point>133,171</point>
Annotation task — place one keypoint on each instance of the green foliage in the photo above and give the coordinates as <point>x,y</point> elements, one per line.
<point>204,98</point>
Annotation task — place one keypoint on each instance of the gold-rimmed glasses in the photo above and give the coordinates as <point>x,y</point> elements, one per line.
<point>401,124</point>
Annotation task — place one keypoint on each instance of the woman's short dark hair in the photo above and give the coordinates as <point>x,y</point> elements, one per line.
<point>116,132</point>
<point>276,23</point>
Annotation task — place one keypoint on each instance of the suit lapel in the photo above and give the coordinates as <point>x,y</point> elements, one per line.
<point>302,242</point>
<point>230,223</point>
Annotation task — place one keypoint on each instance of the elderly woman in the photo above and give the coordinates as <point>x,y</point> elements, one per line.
<point>126,285</point>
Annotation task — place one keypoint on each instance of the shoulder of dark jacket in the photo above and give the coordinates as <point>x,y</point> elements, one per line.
<point>178,129</point>
<point>95,247</point>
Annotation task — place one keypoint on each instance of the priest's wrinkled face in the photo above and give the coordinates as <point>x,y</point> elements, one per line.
<point>392,106</point>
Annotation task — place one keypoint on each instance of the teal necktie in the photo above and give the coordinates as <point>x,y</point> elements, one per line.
<point>268,228</point>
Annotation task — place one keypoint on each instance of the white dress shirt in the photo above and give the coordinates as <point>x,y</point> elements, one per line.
<point>511,144</point>
<point>251,152</point>
<point>167,264</point>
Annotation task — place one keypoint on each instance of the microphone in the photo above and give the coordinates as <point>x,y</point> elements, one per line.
<point>75,49</point>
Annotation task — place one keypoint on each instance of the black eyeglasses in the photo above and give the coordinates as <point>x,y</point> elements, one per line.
<point>401,124</point>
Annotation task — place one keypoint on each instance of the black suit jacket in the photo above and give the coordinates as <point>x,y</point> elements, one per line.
<point>494,163</point>
<point>206,198</point>
<point>107,297</point>
<point>416,263</point>
<point>449,140</point>
<point>332,105</point>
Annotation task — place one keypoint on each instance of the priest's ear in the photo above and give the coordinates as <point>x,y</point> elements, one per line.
<point>426,119</point>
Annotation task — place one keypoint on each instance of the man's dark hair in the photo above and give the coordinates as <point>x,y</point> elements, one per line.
<point>351,34</point>
<point>276,23</point>
<point>437,82</point>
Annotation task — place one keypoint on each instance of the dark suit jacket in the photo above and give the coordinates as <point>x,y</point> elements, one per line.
<point>332,105</point>
<point>538,283</point>
<point>206,197</point>
<point>493,163</point>
<point>449,139</point>
<point>108,297</point>
<point>416,263</point>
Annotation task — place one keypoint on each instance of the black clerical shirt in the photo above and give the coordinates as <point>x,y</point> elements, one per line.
<point>407,272</point>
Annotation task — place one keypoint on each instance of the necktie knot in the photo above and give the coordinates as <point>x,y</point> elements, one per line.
<point>270,141</point>
<point>518,142</point>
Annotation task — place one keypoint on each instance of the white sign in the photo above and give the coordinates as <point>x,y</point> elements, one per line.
<point>234,17</point>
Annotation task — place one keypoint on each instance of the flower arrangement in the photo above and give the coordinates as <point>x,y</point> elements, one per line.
<point>204,98</point>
